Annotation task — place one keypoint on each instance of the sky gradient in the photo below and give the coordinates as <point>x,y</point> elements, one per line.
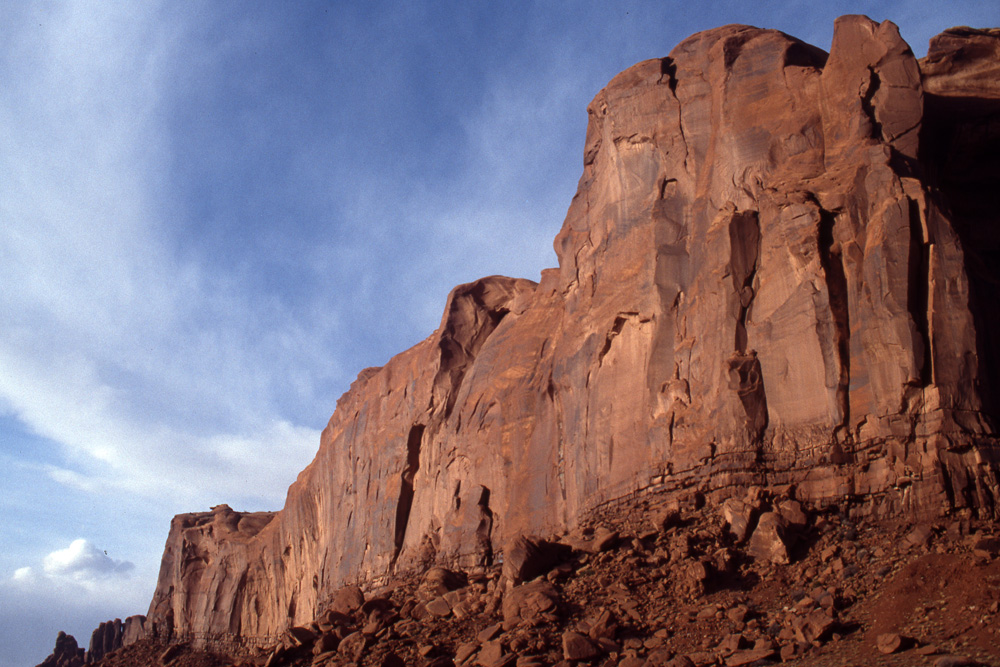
<point>214,214</point>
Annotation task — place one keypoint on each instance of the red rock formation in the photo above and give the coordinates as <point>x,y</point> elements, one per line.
<point>770,274</point>
<point>113,635</point>
<point>65,654</point>
<point>106,638</point>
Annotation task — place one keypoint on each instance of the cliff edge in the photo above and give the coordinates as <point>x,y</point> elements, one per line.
<point>780,269</point>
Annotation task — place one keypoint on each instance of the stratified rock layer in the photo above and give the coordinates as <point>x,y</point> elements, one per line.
<point>778,269</point>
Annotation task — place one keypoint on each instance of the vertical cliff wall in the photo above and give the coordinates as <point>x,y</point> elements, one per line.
<point>779,268</point>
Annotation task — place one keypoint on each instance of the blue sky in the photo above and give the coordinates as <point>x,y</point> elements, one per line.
<point>214,214</point>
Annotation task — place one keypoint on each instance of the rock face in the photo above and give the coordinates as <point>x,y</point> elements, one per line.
<point>113,635</point>
<point>106,638</point>
<point>779,269</point>
<point>201,547</point>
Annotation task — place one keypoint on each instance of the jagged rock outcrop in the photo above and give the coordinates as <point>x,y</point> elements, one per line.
<point>134,629</point>
<point>113,635</point>
<point>778,270</point>
<point>106,638</point>
<point>65,654</point>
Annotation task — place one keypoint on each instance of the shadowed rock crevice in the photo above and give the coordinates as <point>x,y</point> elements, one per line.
<point>732,46</point>
<point>671,273</point>
<point>239,604</point>
<point>668,70</point>
<point>800,54</point>
<point>831,260</point>
<point>744,248</point>
<point>745,375</point>
<point>484,531</point>
<point>960,148</point>
<point>616,329</point>
<point>867,102</point>
<point>919,290</point>
<point>746,379</point>
<point>405,504</point>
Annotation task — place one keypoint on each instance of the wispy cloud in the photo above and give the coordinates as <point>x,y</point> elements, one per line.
<point>149,370</point>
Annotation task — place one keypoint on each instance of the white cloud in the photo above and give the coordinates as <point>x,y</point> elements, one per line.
<point>82,561</point>
<point>24,575</point>
<point>79,569</point>
<point>111,451</point>
<point>71,589</point>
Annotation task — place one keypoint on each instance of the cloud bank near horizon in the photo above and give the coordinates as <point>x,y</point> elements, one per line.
<point>81,580</point>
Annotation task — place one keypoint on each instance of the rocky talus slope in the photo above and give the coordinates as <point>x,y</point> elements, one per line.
<point>659,585</point>
<point>779,273</point>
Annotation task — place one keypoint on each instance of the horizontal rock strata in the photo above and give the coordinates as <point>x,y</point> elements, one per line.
<point>779,269</point>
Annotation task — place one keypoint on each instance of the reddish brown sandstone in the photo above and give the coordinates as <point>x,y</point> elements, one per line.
<point>770,274</point>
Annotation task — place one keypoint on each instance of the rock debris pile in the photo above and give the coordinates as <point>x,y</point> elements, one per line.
<point>756,580</point>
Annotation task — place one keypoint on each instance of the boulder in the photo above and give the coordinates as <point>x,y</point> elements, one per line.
<point>528,557</point>
<point>301,636</point>
<point>438,607</point>
<point>814,626</point>
<point>438,581</point>
<point>490,653</point>
<point>603,626</point>
<point>793,514</point>
<point>326,643</point>
<point>353,646</point>
<point>347,600</point>
<point>891,642</point>
<point>749,657</point>
<point>527,602</point>
<point>578,647</point>
<point>767,543</point>
<point>739,517</point>
<point>596,542</point>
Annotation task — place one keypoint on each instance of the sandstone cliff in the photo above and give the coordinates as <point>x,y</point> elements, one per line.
<point>780,268</point>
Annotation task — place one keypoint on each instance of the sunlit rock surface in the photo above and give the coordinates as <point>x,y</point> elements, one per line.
<point>780,268</point>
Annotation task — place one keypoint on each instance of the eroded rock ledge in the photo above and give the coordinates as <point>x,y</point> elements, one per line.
<point>780,269</point>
